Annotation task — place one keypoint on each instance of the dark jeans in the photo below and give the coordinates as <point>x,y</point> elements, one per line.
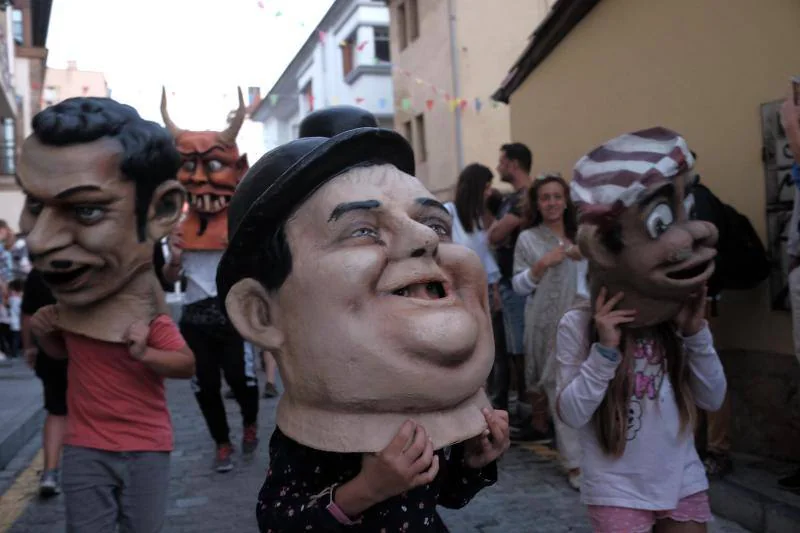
<point>218,347</point>
<point>499,378</point>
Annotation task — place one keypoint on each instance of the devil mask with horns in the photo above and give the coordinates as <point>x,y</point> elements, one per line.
<point>211,168</point>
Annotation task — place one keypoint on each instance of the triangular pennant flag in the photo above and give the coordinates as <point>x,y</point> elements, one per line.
<point>381,102</point>
<point>495,105</point>
<point>273,99</point>
<point>429,104</point>
<point>343,44</point>
<point>322,36</point>
<point>453,104</point>
<point>419,81</point>
<point>406,103</point>
<point>278,13</point>
<point>335,100</point>
<point>359,100</point>
<point>478,104</point>
<point>463,104</point>
<point>261,4</point>
<point>361,46</point>
<point>447,96</point>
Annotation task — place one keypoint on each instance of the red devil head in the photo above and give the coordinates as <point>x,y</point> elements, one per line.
<point>210,171</point>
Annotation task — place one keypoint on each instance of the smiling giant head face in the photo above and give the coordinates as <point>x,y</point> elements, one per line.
<point>376,316</point>
<point>638,226</point>
<point>100,189</point>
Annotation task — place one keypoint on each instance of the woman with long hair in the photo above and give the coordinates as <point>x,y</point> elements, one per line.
<point>549,270</point>
<point>471,217</point>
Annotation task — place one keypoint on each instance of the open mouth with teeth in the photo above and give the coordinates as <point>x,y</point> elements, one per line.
<point>689,273</point>
<point>430,290</point>
<point>56,278</point>
<point>208,203</point>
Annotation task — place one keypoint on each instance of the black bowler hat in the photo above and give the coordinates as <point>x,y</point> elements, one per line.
<point>331,141</point>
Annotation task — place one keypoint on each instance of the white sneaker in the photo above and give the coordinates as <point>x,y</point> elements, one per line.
<point>574,478</point>
<point>48,485</point>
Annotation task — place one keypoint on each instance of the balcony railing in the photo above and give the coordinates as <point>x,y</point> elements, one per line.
<point>7,106</point>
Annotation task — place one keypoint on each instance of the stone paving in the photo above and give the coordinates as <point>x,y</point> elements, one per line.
<point>530,497</point>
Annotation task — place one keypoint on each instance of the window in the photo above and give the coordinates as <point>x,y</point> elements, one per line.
<point>348,54</point>
<point>50,95</point>
<point>408,132</point>
<point>308,96</point>
<point>17,28</point>
<point>382,44</point>
<point>401,26</point>
<point>421,149</point>
<point>413,20</point>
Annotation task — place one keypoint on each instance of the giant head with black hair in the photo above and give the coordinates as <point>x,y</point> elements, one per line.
<point>100,189</point>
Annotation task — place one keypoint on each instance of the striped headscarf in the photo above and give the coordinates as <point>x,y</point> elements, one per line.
<point>612,176</point>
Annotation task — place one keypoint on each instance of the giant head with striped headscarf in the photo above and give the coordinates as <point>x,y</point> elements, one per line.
<point>637,224</point>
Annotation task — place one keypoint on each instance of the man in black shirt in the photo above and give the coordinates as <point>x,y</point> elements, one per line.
<point>53,373</point>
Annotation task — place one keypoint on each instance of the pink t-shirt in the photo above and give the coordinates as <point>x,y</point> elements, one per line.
<point>116,403</point>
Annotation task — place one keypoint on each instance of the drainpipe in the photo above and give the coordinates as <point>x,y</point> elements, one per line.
<point>456,85</point>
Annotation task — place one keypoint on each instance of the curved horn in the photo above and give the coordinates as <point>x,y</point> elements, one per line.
<point>230,133</point>
<point>173,129</point>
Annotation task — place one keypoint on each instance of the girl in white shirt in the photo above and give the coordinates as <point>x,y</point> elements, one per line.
<point>632,394</point>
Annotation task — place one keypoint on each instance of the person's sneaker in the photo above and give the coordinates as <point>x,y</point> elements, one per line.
<point>791,482</point>
<point>574,478</point>
<point>249,439</point>
<point>48,484</point>
<point>222,460</point>
<point>229,395</point>
<point>270,390</point>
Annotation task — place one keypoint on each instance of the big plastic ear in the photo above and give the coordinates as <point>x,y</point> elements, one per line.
<point>165,209</point>
<point>592,247</point>
<point>252,311</point>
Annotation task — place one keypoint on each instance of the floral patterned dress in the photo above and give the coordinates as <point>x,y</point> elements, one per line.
<point>296,492</point>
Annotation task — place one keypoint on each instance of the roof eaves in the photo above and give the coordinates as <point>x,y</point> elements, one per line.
<point>563,17</point>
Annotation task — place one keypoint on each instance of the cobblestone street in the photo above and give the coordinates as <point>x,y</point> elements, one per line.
<point>531,495</point>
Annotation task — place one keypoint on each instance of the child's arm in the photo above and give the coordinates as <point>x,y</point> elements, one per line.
<point>43,327</point>
<point>582,380</point>
<point>707,377</point>
<point>170,363</point>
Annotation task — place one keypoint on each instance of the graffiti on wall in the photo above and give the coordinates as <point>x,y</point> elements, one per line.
<point>780,191</point>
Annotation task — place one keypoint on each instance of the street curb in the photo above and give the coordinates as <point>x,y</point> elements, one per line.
<point>18,431</point>
<point>752,509</point>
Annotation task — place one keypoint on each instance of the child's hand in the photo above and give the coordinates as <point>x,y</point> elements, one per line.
<point>407,462</point>
<point>136,337</point>
<point>487,447</point>
<point>607,320</point>
<point>44,322</point>
<point>692,316</point>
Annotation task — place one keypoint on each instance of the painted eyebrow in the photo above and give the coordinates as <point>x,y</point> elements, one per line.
<point>76,190</point>
<point>667,191</point>
<point>363,205</point>
<point>430,202</point>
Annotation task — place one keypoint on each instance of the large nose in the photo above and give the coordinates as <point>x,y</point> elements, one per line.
<point>413,239</point>
<point>683,239</point>
<point>48,234</point>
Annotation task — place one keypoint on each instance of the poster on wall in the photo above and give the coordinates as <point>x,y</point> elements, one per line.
<point>780,191</point>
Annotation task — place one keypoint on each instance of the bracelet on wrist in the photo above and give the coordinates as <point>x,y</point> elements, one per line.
<point>335,510</point>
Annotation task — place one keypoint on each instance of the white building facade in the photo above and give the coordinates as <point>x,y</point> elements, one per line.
<point>344,61</point>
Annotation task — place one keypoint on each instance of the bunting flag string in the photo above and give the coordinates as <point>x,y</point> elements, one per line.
<point>406,103</point>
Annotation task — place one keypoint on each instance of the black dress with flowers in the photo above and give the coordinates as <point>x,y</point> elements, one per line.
<point>294,495</point>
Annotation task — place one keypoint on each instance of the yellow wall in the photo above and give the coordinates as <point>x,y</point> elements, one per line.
<point>701,68</point>
<point>427,58</point>
<point>487,32</point>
